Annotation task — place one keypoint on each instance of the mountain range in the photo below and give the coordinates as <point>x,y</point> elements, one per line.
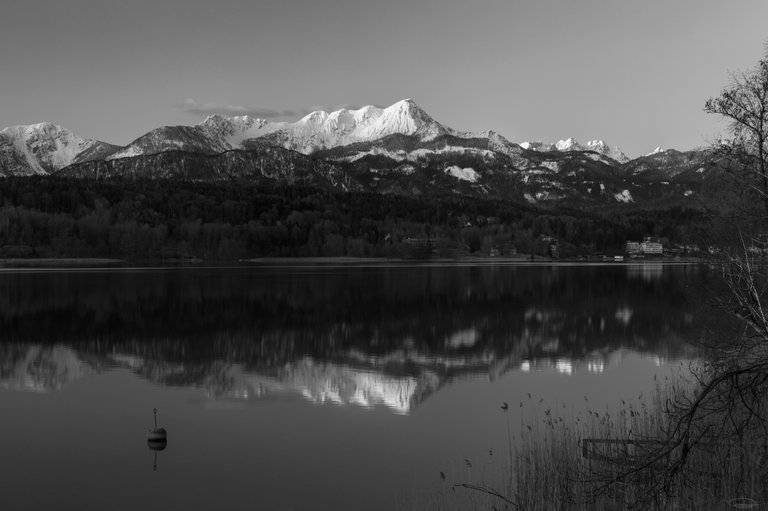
<point>399,149</point>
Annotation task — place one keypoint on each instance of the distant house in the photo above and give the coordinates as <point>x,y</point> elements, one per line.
<point>649,245</point>
<point>633,247</point>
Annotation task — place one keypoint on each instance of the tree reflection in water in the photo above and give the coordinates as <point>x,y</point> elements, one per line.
<point>385,335</point>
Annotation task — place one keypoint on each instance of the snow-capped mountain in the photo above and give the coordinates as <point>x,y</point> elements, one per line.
<point>45,148</point>
<point>399,149</point>
<point>323,130</point>
<point>571,144</point>
<point>317,130</point>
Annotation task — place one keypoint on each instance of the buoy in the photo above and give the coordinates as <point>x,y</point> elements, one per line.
<point>157,438</point>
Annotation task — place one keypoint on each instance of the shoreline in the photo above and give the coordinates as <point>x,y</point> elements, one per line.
<point>520,260</point>
<point>59,262</point>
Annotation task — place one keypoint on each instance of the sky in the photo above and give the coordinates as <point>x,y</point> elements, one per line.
<point>633,73</point>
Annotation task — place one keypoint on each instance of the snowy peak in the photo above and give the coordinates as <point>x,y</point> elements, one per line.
<point>405,117</point>
<point>315,131</point>
<point>611,152</point>
<point>43,148</point>
<point>325,130</point>
<point>571,144</point>
<point>537,145</point>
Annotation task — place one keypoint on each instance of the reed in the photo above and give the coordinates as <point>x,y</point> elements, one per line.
<point>630,466</point>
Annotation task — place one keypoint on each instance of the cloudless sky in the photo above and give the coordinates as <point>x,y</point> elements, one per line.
<point>633,73</point>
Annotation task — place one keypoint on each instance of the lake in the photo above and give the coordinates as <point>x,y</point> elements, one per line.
<point>312,387</point>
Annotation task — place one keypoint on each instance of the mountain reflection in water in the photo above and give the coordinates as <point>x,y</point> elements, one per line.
<point>383,336</point>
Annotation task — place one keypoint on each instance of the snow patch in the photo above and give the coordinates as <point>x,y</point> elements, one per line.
<point>128,152</point>
<point>405,170</point>
<point>551,165</point>
<point>546,195</point>
<point>466,174</point>
<point>624,196</point>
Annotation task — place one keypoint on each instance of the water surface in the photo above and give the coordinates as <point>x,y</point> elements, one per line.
<point>310,387</point>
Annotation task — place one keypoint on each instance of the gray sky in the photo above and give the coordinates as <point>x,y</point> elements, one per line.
<point>634,73</point>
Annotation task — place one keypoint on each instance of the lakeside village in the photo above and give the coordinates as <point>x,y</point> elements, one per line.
<point>652,247</point>
<point>649,247</point>
<point>655,248</point>
<point>548,247</point>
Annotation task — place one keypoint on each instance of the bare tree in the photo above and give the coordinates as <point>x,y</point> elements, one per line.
<point>719,430</point>
<point>744,104</point>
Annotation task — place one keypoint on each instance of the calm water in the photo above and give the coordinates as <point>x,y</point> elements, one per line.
<point>310,387</point>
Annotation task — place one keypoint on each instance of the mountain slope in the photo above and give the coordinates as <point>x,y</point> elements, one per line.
<point>45,148</point>
<point>260,162</point>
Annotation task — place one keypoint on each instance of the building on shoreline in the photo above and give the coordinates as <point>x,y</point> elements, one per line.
<point>649,246</point>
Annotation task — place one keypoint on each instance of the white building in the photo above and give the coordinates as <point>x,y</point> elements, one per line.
<point>647,246</point>
<point>651,246</point>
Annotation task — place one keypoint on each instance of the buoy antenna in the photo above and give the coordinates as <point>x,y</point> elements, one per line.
<point>154,410</point>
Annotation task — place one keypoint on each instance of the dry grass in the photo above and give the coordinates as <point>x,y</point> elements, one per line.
<point>546,467</point>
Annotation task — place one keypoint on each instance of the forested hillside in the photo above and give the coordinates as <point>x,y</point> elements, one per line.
<point>136,220</point>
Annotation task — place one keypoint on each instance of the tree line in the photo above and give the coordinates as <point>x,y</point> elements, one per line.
<point>48,216</point>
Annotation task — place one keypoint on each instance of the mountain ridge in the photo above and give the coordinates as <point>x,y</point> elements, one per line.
<point>571,144</point>
<point>397,149</point>
<point>45,148</point>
